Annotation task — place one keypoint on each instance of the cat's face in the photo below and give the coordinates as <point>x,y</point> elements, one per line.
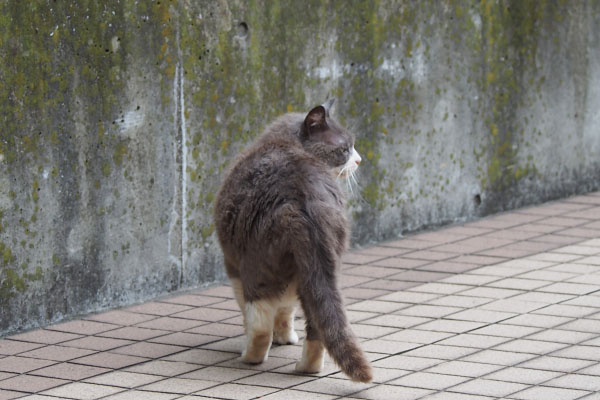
<point>329,141</point>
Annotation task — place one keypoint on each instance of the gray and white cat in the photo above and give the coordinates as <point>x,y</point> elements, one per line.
<point>281,222</point>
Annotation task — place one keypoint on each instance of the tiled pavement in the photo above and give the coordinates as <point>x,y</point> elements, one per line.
<point>504,307</point>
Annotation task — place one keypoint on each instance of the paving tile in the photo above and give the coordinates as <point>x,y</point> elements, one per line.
<point>158,308</point>
<point>388,285</point>
<point>364,293</point>
<point>488,387</point>
<point>550,363</point>
<point>271,379</point>
<point>418,336</point>
<point>371,271</point>
<point>218,329</point>
<point>201,356</point>
<point>464,368</point>
<point>74,372</point>
<point>546,393</point>
<point>142,395</point>
<point>359,259</point>
<point>44,336</point>
<point>407,363</point>
<point>392,392</point>
<point>509,331</point>
<point>396,321</point>
<point>179,385</point>
<point>387,346</point>
<point>96,343</point>
<point>219,374</point>
<point>576,381</point>
<point>562,336</point>
<point>185,339</point>
<point>563,309</point>
<point>133,333</point>
<point>163,368</point>
<point>6,375</point>
<point>513,306</point>
<point>409,297</point>
<point>148,350</point>
<point>549,298</point>
<point>57,353</point>
<point>460,301</point>
<point>425,380</point>
<point>83,327</point>
<point>289,394</point>
<point>548,275</point>
<point>9,395</point>
<point>448,267</point>
<point>408,243</point>
<point>496,357</point>
<point>385,251</point>
<point>492,293</point>
<point>456,396</point>
<point>83,391</point>
<point>444,352</point>
<point>470,279</point>
<point>216,291</point>
<point>541,321</point>
<point>376,306</point>
<point>569,288</point>
<point>12,347</point>
<point>478,259</point>
<point>582,325</point>
<point>109,360</point>
<point>30,383</point>
<point>371,331</point>
<point>480,315</point>
<point>526,376</point>
<point>476,341</point>
<point>580,352</point>
<point>519,284</point>
<point>530,346</point>
<point>440,288</point>
<point>400,262</point>
<point>191,300</point>
<point>21,365</point>
<point>119,317</point>
<point>451,326</point>
<point>179,324</point>
<point>428,310</point>
<point>418,276</point>
<point>235,391</point>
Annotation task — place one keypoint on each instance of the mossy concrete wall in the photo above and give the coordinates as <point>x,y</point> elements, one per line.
<point>118,118</point>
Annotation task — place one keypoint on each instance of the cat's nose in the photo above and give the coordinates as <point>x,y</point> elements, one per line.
<point>358,162</point>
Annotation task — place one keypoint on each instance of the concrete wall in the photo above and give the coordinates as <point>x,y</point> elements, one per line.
<point>118,118</point>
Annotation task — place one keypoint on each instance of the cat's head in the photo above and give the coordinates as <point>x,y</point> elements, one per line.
<point>323,137</point>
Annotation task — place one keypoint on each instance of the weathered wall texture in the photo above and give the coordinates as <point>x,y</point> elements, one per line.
<point>118,118</point>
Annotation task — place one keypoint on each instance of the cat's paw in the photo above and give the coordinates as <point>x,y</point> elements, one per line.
<point>306,367</point>
<point>254,358</point>
<point>287,337</point>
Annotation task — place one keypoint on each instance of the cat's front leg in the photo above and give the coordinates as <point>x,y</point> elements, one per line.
<point>260,316</point>
<point>283,331</point>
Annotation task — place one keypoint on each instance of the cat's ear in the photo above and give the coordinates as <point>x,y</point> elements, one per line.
<point>316,119</point>
<point>327,105</point>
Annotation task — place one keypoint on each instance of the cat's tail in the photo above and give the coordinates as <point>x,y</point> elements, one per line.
<point>322,300</point>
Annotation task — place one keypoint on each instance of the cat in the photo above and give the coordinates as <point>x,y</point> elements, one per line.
<point>281,223</point>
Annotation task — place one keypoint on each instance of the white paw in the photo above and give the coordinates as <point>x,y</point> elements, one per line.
<point>309,368</point>
<point>254,358</point>
<point>288,337</point>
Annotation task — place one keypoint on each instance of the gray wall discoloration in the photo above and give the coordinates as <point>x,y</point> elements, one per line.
<point>119,117</point>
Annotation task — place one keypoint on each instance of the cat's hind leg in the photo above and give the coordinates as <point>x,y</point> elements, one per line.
<point>260,317</point>
<point>313,352</point>
<point>238,293</point>
<point>283,331</point>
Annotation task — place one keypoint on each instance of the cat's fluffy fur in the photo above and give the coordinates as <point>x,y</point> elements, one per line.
<point>281,222</point>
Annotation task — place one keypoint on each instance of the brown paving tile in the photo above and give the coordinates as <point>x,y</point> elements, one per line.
<point>217,291</point>
<point>57,353</point>
<point>83,327</point>
<point>206,314</point>
<point>345,281</point>
<point>564,221</point>
<point>163,368</point>
<point>30,383</point>
<point>158,308</point>
<point>218,329</point>
<point>231,305</point>
<point>556,238</point>
<point>96,343</point>
<point>237,392</point>
<point>109,360</point>
<point>21,365</point>
<point>165,324</point>
<point>74,372</point>
<point>512,234</point>
<point>192,300</point>
<point>44,336</point>
<point>84,391</point>
<point>409,243</point>
<point>119,317</point>
<point>134,333</point>
<point>540,228</point>
<point>441,236</point>
<point>149,350</point>
<point>185,339</point>
<point>202,356</point>
<point>124,379</point>
<point>12,347</point>
<point>383,251</point>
